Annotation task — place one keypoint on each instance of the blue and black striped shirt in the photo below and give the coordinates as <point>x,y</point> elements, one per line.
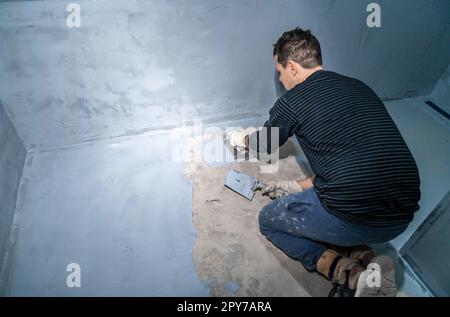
<point>364,172</point>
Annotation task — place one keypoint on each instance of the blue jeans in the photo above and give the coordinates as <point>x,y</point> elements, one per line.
<point>302,228</point>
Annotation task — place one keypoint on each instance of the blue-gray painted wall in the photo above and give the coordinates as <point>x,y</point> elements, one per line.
<point>441,92</point>
<point>141,64</point>
<point>12,159</point>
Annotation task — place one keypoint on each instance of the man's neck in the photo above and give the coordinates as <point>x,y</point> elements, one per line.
<point>309,72</point>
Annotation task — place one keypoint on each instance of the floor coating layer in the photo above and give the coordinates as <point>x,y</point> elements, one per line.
<point>120,209</point>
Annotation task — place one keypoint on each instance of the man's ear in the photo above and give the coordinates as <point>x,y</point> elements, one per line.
<point>292,67</point>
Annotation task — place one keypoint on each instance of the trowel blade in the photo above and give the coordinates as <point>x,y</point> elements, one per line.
<point>241,183</point>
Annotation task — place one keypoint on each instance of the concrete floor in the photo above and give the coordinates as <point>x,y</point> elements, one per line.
<point>122,209</point>
<point>230,253</point>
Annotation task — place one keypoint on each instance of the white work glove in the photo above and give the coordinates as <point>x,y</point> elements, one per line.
<point>280,189</point>
<point>236,138</point>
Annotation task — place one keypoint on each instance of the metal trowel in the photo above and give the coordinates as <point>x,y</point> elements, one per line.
<point>243,184</point>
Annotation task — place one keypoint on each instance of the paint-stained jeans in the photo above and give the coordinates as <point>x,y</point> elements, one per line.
<point>300,226</point>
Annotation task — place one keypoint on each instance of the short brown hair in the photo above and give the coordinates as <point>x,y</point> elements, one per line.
<point>299,46</point>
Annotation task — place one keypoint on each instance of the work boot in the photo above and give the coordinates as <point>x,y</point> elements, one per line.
<point>343,272</point>
<point>363,254</point>
<point>378,284</point>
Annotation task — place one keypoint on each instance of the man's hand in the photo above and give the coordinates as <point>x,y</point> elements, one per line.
<point>239,139</point>
<point>281,188</point>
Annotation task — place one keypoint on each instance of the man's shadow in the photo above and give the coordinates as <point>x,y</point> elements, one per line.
<point>279,88</point>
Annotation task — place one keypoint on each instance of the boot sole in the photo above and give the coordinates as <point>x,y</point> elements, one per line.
<point>387,288</point>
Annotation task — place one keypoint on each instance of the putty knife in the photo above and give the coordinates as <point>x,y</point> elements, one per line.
<point>243,184</point>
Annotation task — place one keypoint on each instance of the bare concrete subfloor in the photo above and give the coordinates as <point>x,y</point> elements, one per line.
<point>230,253</point>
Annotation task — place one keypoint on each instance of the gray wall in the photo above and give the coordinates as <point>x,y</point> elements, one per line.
<point>143,64</point>
<point>12,159</point>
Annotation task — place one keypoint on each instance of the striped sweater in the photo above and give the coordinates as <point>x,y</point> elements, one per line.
<point>364,172</point>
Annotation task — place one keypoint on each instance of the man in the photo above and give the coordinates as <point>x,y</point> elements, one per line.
<point>366,184</point>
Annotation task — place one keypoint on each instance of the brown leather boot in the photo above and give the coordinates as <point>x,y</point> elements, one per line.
<point>343,272</point>
<point>363,254</point>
